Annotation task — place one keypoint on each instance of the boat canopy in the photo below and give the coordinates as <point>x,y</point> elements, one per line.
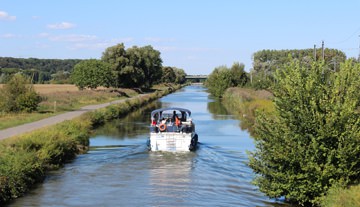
<point>170,109</point>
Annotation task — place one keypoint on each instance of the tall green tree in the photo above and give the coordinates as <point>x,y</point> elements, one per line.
<point>147,64</point>
<point>239,76</point>
<point>313,140</point>
<point>116,57</point>
<point>134,67</point>
<point>92,74</point>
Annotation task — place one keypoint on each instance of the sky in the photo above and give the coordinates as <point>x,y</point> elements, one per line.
<point>195,35</point>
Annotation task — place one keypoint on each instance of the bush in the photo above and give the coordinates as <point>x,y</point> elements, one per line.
<point>312,143</point>
<point>222,78</point>
<point>17,95</point>
<point>218,81</point>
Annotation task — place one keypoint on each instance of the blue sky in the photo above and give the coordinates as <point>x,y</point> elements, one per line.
<point>196,35</point>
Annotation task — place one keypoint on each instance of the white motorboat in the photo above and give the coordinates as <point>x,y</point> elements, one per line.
<point>172,129</point>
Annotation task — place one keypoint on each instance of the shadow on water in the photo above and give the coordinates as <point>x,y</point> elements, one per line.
<point>120,171</point>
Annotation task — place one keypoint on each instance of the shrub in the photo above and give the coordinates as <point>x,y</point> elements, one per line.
<point>312,143</point>
<point>218,81</point>
<point>17,95</point>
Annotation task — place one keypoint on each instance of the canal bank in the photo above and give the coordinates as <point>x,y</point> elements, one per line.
<point>26,159</point>
<point>118,170</point>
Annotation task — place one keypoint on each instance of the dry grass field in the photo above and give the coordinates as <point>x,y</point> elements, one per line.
<point>52,88</point>
<point>44,89</point>
<point>57,98</point>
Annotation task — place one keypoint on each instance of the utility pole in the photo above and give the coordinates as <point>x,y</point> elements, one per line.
<point>323,51</point>
<point>315,53</point>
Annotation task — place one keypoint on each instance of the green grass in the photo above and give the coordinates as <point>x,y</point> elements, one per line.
<point>11,120</point>
<point>245,103</point>
<point>343,197</point>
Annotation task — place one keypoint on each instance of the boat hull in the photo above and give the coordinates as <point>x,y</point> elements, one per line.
<point>173,141</point>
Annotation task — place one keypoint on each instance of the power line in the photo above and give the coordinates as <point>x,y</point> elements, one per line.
<point>345,40</point>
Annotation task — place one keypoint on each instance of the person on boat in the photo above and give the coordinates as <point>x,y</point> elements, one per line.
<point>176,119</point>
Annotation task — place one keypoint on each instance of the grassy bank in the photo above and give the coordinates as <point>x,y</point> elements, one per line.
<point>24,160</point>
<point>339,197</point>
<point>244,103</point>
<point>58,98</point>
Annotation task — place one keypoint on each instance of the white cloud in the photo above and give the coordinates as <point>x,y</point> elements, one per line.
<point>192,58</point>
<point>99,44</point>
<point>119,40</point>
<point>159,39</point>
<point>36,17</point>
<point>62,25</point>
<point>6,16</point>
<point>184,49</point>
<point>44,34</point>
<point>71,38</point>
<point>9,36</point>
<point>90,46</point>
<point>167,48</point>
<point>40,45</point>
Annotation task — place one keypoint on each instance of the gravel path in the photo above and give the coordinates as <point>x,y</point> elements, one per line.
<point>13,131</point>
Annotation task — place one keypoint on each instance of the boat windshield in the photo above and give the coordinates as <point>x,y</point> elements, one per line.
<point>169,114</point>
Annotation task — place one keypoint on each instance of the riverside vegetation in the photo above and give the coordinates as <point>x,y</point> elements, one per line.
<point>25,159</point>
<point>59,98</point>
<point>138,68</point>
<point>306,133</point>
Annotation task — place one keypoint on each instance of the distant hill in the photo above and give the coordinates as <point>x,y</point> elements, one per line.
<point>38,70</point>
<point>44,65</point>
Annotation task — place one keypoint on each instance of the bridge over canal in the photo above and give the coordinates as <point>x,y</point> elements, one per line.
<point>196,78</point>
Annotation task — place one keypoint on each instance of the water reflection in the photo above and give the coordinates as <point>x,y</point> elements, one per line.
<point>170,177</point>
<point>126,127</point>
<point>216,108</point>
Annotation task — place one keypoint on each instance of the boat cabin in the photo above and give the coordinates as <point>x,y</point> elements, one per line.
<point>171,120</point>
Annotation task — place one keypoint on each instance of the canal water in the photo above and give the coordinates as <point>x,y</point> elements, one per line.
<point>120,171</point>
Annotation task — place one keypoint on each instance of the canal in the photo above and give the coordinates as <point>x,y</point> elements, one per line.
<point>120,171</point>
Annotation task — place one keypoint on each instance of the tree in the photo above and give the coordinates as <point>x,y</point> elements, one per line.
<point>239,77</point>
<point>312,141</point>
<point>92,74</point>
<point>219,80</point>
<point>266,62</point>
<point>134,67</point>
<point>18,95</point>
<point>151,64</point>
<point>180,75</point>
<point>168,76</point>
<point>116,57</point>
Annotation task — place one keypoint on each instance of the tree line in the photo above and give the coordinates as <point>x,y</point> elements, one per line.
<point>118,67</point>
<point>267,62</point>
<point>309,146</point>
<point>139,67</point>
<point>38,70</point>
<point>265,65</point>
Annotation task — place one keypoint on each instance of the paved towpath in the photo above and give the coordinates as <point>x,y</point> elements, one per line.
<point>13,131</point>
